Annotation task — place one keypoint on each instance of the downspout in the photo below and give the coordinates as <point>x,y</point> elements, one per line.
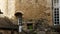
<point>52,14</point>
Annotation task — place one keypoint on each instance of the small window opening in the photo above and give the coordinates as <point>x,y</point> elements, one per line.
<point>30,26</point>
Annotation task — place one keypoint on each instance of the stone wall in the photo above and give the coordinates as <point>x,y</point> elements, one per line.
<point>32,9</point>
<point>35,9</point>
<point>8,32</point>
<point>52,32</point>
<point>43,32</point>
<point>5,31</point>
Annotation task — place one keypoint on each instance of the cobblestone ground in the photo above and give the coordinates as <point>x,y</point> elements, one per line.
<point>40,32</point>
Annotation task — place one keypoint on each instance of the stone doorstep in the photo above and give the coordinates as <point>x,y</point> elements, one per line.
<point>52,32</point>
<point>41,32</point>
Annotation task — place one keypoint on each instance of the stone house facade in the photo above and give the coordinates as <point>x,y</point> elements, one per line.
<point>32,10</point>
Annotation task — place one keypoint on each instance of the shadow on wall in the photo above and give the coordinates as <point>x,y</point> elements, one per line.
<point>6,22</point>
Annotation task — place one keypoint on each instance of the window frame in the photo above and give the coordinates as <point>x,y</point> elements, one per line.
<point>28,26</point>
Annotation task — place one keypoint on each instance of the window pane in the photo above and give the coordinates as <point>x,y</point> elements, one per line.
<point>57,11</point>
<point>57,17</point>
<point>57,1</point>
<point>54,9</point>
<point>54,14</point>
<point>57,8</point>
<point>54,1</point>
<point>57,22</point>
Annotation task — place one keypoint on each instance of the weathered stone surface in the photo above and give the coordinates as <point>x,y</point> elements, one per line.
<point>41,32</point>
<point>35,10</point>
<point>52,33</point>
<point>32,9</point>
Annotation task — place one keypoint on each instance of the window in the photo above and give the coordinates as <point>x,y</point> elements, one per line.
<point>19,16</point>
<point>30,26</point>
<point>56,11</point>
<point>56,3</point>
<point>20,21</point>
<point>56,15</point>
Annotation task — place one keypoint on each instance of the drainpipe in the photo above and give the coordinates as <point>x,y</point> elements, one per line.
<point>52,13</point>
